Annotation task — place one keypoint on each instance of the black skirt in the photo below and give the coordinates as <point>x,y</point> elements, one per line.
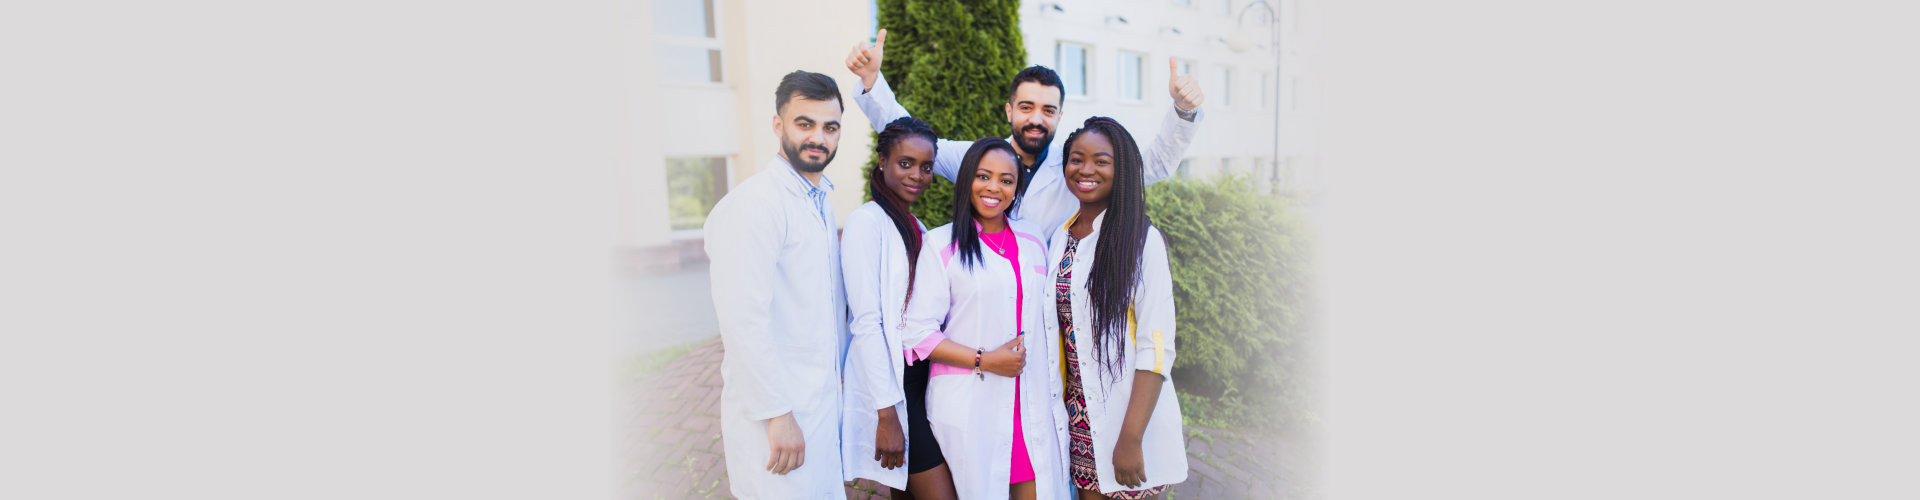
<point>923,452</point>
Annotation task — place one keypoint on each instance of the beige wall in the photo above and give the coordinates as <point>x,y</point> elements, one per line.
<point>780,37</point>
<point>763,40</point>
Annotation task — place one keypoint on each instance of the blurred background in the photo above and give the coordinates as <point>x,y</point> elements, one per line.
<point>1237,216</point>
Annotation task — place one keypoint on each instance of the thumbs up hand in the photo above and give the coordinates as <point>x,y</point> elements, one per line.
<point>864,60</point>
<point>1184,89</point>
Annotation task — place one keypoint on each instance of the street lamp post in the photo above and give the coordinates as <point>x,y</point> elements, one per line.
<point>1240,41</point>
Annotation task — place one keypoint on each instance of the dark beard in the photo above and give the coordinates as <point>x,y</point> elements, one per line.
<point>1032,150</point>
<point>793,158</point>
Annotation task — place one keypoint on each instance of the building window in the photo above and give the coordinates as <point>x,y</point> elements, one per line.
<point>694,184</point>
<point>1266,82</point>
<point>1183,3</point>
<point>1072,66</point>
<point>1184,171</point>
<point>687,40</point>
<point>1225,7</point>
<point>1130,77</point>
<point>1293,93</point>
<point>1186,66</point>
<point>1226,86</point>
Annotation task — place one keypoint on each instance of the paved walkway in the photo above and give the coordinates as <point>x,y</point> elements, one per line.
<point>675,449</point>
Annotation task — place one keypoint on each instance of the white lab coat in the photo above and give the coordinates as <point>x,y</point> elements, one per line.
<point>776,287</point>
<point>1149,346</point>
<point>873,260</point>
<point>971,417</point>
<point>1047,202</point>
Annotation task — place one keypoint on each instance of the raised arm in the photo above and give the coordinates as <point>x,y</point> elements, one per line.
<point>876,100</point>
<point>861,246</point>
<point>1176,128</point>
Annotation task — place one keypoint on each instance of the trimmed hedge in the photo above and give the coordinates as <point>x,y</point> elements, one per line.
<point>1241,277</point>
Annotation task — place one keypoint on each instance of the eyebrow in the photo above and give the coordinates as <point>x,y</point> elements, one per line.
<point>1037,104</point>
<point>805,118</point>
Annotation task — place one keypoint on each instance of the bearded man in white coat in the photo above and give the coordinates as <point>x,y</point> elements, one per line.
<point>1033,110</point>
<point>775,269</point>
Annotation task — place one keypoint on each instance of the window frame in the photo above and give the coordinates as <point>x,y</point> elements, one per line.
<point>1087,68</point>
<point>717,44</point>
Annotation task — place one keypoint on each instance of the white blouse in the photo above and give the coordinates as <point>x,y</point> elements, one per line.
<point>1149,346</point>
<point>971,416</point>
<point>873,261</point>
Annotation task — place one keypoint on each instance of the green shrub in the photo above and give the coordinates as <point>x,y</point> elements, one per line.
<point>1240,276</point>
<point>949,62</point>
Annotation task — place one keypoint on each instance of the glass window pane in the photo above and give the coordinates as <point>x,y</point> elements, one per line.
<point>688,64</point>
<point>694,185</point>
<point>1129,76</point>
<point>683,17</point>
<point>1073,69</point>
<point>1226,86</point>
<point>1225,7</point>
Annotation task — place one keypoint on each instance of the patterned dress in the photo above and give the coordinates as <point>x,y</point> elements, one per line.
<point>1085,470</point>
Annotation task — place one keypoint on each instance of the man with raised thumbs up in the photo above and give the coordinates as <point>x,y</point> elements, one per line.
<point>1033,114</point>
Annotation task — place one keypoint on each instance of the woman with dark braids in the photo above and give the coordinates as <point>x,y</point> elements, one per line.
<point>1114,301</point>
<point>981,282</point>
<point>884,430</point>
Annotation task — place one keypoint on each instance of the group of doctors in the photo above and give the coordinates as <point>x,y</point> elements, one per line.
<point>1022,351</point>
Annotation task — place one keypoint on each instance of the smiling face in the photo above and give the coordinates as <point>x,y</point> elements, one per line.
<point>908,169</point>
<point>1033,112</point>
<point>1089,168</point>
<point>994,184</point>
<point>809,132</point>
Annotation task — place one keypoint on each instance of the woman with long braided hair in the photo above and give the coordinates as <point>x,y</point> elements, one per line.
<point>1115,322</point>
<point>885,435</point>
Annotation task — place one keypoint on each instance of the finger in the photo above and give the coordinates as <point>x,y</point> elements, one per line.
<point>799,459</point>
<point>1173,69</point>
<point>880,39</point>
<point>772,458</point>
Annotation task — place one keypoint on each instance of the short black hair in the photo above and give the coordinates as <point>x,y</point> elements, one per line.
<point>808,84</point>
<point>1037,74</point>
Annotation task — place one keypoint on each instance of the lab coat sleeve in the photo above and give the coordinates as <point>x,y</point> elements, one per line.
<point>1153,309</point>
<point>882,108</point>
<point>861,248</point>
<point>1170,144</point>
<point>743,241</point>
<point>927,309</point>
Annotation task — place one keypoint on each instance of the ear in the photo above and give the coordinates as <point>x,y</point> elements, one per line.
<point>776,124</point>
<point>1009,111</point>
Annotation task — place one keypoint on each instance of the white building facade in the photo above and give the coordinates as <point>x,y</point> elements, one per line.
<point>1113,57</point>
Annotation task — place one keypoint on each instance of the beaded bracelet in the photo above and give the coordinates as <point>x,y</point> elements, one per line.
<point>976,364</point>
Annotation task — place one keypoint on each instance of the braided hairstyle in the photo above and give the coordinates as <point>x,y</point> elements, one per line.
<point>1123,238</point>
<point>891,135</point>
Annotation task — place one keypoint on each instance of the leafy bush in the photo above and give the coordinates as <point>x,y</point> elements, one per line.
<point>949,62</point>
<point>1241,274</point>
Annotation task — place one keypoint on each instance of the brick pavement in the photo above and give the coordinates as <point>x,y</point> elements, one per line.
<point>675,449</point>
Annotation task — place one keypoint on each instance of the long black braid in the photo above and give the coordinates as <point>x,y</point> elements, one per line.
<point>889,201</point>
<point>1123,238</point>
